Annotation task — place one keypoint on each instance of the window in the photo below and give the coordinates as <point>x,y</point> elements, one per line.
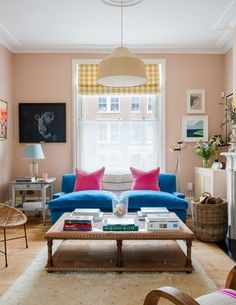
<point>108,104</point>
<point>136,132</point>
<point>135,106</point>
<point>115,132</point>
<point>149,103</point>
<point>149,133</point>
<point>115,104</point>
<point>102,133</point>
<point>118,131</point>
<point>102,104</point>
<point>118,141</point>
<point>108,132</point>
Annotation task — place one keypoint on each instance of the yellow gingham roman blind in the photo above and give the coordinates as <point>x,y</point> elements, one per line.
<point>88,85</point>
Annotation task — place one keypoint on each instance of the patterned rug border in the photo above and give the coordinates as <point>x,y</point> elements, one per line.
<point>23,288</point>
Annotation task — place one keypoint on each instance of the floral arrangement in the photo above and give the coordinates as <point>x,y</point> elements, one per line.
<point>206,150</point>
<point>230,113</point>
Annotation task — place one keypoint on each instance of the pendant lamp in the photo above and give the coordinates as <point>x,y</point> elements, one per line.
<point>121,68</point>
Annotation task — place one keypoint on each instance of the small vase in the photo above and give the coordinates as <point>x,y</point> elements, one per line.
<point>206,163</point>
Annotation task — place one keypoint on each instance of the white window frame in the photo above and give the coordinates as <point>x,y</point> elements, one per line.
<point>105,102</point>
<point>149,111</point>
<point>139,104</point>
<point>108,105</point>
<point>77,108</point>
<point>116,97</point>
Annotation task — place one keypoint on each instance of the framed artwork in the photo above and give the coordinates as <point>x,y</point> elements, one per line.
<point>3,120</point>
<point>42,122</point>
<point>228,125</point>
<point>195,128</point>
<point>196,101</point>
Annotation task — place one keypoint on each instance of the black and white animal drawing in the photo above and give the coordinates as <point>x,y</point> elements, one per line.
<point>44,120</point>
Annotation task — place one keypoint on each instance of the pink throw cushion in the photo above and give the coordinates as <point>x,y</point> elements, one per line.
<point>145,180</point>
<point>88,181</point>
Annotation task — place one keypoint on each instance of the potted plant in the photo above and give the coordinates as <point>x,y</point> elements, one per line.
<point>206,150</point>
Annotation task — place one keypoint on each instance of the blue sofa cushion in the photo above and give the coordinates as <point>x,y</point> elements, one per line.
<point>83,199</point>
<point>138,199</point>
<point>167,182</point>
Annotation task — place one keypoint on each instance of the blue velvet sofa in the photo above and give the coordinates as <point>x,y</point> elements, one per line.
<point>67,200</point>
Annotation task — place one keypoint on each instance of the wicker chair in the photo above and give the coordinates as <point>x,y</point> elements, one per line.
<point>225,296</point>
<point>11,217</point>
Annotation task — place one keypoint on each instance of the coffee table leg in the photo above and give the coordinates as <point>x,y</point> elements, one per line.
<point>188,258</point>
<point>50,261</point>
<point>119,262</point>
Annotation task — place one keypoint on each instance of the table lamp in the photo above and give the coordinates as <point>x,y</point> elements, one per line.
<point>34,152</point>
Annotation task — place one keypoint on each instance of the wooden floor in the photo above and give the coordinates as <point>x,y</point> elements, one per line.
<point>19,258</point>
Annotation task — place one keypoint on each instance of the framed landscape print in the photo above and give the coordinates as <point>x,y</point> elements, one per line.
<point>3,120</point>
<point>42,122</point>
<point>195,128</point>
<point>196,101</point>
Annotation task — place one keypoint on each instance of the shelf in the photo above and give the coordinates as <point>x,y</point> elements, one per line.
<point>31,206</point>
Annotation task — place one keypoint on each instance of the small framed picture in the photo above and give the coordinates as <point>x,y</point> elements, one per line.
<point>196,101</point>
<point>195,128</point>
<point>3,120</point>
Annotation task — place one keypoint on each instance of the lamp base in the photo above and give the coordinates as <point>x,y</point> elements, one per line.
<point>34,170</point>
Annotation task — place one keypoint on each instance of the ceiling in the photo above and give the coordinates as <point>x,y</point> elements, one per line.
<point>186,26</point>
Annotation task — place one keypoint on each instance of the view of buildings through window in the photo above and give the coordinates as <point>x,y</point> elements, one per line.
<point>119,131</point>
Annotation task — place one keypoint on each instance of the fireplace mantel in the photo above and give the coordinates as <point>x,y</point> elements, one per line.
<point>231,192</point>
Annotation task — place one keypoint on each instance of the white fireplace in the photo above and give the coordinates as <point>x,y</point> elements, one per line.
<point>231,192</point>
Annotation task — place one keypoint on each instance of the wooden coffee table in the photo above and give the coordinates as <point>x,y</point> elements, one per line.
<point>97,250</point>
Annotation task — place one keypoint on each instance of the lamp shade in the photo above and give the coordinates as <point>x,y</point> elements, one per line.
<point>33,151</point>
<point>122,69</point>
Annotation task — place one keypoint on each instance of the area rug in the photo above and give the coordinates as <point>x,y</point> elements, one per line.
<point>37,287</point>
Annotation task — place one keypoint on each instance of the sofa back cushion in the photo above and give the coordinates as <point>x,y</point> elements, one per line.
<point>121,182</point>
<point>167,182</point>
<point>117,183</point>
<point>145,180</point>
<point>68,182</point>
<point>88,181</point>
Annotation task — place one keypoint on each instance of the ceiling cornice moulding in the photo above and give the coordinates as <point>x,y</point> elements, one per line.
<point>145,49</point>
<point>227,20</point>
<point>8,40</point>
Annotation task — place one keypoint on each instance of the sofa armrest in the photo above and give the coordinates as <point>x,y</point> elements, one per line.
<point>57,195</point>
<point>179,195</point>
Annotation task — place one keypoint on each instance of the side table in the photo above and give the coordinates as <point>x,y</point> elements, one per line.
<point>40,185</point>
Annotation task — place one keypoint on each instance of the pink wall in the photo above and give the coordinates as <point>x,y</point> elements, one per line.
<point>184,72</point>
<point>228,72</point>
<point>6,146</point>
<point>47,78</point>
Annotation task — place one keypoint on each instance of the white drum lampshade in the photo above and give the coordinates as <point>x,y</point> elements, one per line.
<point>34,152</point>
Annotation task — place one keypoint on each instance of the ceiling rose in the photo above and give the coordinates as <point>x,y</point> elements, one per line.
<point>124,2</point>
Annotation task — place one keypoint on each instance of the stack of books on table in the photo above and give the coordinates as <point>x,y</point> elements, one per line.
<point>25,179</point>
<point>96,213</point>
<point>120,224</point>
<point>78,223</point>
<point>151,210</point>
<point>156,222</point>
